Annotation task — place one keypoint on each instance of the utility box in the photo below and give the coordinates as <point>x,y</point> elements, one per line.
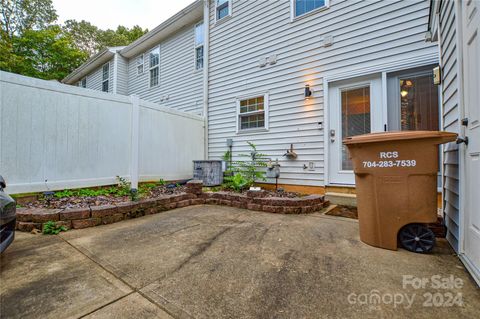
<point>396,182</point>
<point>210,172</point>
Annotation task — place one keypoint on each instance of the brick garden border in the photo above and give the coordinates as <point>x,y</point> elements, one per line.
<point>29,219</point>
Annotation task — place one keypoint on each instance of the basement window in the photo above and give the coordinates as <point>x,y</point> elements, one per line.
<point>199,39</point>
<point>223,9</point>
<point>302,7</point>
<point>154,67</point>
<point>252,113</point>
<point>105,76</point>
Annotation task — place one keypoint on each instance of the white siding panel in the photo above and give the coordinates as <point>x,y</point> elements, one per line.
<point>122,75</point>
<point>181,86</point>
<point>367,34</point>
<point>451,116</point>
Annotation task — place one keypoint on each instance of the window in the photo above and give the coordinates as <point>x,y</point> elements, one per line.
<point>418,103</point>
<point>252,113</point>
<point>301,7</point>
<point>223,9</point>
<point>199,39</point>
<point>154,66</point>
<point>105,77</point>
<point>84,83</point>
<point>140,65</point>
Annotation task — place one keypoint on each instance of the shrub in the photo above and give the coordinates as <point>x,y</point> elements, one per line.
<point>50,228</point>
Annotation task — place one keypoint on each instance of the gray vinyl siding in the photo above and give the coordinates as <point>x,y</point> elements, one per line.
<point>450,99</point>
<point>94,79</point>
<point>180,85</point>
<point>367,34</point>
<point>122,75</point>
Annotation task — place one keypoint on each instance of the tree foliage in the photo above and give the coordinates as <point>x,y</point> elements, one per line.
<point>17,16</point>
<point>33,44</point>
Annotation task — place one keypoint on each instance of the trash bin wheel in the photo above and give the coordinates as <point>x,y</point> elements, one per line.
<point>417,238</point>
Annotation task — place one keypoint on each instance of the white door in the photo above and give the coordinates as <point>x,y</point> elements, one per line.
<point>355,107</point>
<point>471,49</point>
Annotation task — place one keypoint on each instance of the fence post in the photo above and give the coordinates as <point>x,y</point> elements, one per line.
<point>135,140</point>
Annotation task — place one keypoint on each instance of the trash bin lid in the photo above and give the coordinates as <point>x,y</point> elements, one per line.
<point>400,135</point>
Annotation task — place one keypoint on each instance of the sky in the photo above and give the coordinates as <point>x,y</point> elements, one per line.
<point>108,14</point>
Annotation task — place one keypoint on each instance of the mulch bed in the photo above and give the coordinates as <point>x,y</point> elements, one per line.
<point>87,201</point>
<point>344,211</point>
<point>155,192</point>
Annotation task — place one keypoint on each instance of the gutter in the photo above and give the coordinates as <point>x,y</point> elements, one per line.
<point>206,47</point>
<point>159,28</point>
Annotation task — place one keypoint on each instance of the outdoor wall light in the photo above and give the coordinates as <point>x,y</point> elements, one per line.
<point>308,92</point>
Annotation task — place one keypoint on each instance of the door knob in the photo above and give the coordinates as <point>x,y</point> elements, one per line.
<point>461,140</point>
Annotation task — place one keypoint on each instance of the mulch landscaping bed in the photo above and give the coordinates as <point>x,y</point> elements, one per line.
<point>344,211</point>
<point>85,211</point>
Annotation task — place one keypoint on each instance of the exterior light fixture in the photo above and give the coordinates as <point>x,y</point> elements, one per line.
<point>403,93</point>
<point>308,92</point>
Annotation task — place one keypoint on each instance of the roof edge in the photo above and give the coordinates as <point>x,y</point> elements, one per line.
<point>129,50</point>
<point>90,64</point>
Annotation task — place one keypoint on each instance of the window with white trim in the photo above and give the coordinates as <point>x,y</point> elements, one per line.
<point>105,76</point>
<point>223,8</point>
<point>252,113</point>
<point>83,83</point>
<point>199,40</point>
<point>154,67</point>
<point>140,64</point>
<point>301,7</point>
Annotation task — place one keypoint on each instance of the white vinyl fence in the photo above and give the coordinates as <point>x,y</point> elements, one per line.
<point>54,136</point>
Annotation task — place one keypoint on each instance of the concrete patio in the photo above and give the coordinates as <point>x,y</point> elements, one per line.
<point>223,262</point>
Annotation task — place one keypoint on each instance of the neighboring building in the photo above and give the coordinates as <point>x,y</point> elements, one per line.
<point>455,26</point>
<point>164,66</point>
<point>102,72</point>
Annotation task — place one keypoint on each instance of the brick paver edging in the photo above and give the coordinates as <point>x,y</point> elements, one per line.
<point>28,219</point>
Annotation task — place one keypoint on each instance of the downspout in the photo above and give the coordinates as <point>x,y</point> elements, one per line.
<point>115,73</point>
<point>206,25</point>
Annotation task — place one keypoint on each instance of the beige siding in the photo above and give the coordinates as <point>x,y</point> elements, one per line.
<point>367,34</point>
<point>448,49</point>
<point>181,86</point>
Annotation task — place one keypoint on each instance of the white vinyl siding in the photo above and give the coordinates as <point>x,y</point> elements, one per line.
<point>122,75</point>
<point>371,35</point>
<point>450,99</point>
<point>180,86</point>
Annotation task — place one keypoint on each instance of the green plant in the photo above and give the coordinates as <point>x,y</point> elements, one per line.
<point>161,182</point>
<point>18,206</point>
<point>238,182</point>
<point>252,168</point>
<point>64,193</point>
<point>50,228</point>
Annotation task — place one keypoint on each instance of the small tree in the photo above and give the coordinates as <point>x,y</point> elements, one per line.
<point>252,168</point>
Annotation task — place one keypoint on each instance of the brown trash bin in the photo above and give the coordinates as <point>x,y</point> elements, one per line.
<point>396,184</point>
